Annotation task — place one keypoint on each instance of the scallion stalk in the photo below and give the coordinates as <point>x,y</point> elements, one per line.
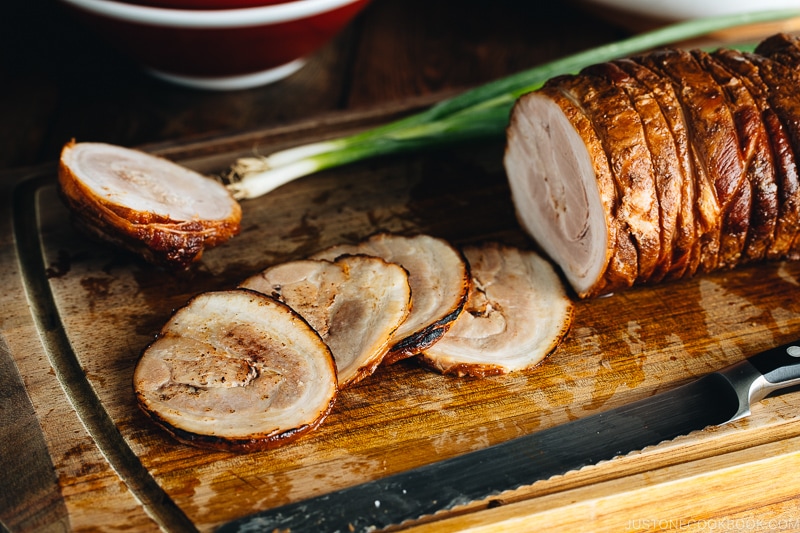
<point>480,113</point>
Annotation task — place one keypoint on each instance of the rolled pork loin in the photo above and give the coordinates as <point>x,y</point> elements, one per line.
<point>661,166</point>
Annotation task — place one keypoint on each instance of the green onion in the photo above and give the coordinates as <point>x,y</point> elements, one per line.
<point>480,113</point>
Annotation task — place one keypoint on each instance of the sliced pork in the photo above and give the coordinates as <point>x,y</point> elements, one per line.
<point>518,312</point>
<point>236,370</point>
<point>661,166</point>
<point>356,303</point>
<point>439,279</point>
<point>163,211</point>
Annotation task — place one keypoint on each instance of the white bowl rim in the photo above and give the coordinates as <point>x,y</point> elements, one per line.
<point>688,9</point>
<point>208,18</point>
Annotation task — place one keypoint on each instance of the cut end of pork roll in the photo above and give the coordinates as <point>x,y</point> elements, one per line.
<point>518,312</point>
<point>156,208</point>
<point>355,303</point>
<point>555,191</point>
<point>237,371</point>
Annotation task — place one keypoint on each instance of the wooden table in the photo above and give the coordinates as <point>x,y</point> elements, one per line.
<point>75,452</point>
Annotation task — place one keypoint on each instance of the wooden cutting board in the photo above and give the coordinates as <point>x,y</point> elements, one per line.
<point>77,454</point>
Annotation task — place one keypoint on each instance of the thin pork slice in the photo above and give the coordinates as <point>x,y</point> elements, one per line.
<point>439,279</point>
<point>238,371</point>
<point>662,152</point>
<point>719,166</point>
<point>685,254</point>
<point>355,303</point>
<point>786,171</point>
<point>147,204</point>
<point>518,312</point>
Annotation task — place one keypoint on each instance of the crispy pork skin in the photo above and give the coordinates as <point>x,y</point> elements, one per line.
<point>439,279</point>
<point>236,370</point>
<point>518,312</point>
<point>661,166</point>
<point>356,303</point>
<point>163,211</point>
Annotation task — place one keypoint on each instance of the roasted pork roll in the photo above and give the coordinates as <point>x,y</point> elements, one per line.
<point>661,166</point>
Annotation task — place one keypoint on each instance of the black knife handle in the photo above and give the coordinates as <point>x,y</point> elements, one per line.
<point>779,365</point>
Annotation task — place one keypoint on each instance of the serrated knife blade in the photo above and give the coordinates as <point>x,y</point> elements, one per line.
<point>714,399</point>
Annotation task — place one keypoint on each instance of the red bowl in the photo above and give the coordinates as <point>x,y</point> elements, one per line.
<point>219,49</point>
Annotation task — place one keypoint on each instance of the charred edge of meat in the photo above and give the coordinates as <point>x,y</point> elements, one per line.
<point>411,346</point>
<point>720,168</point>
<point>213,232</point>
<point>625,137</point>
<point>154,251</point>
<point>784,49</point>
<point>781,47</point>
<point>169,245</point>
<point>660,144</point>
<point>419,341</point>
<point>755,215</point>
<point>736,212</point>
<point>623,265</point>
<point>166,247</point>
<point>263,442</point>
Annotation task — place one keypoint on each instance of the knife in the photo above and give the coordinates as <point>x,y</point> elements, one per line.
<point>714,399</point>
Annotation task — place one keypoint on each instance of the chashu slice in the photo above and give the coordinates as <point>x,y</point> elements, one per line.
<point>439,279</point>
<point>236,370</point>
<point>518,312</point>
<point>161,210</point>
<point>563,191</point>
<point>355,303</point>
